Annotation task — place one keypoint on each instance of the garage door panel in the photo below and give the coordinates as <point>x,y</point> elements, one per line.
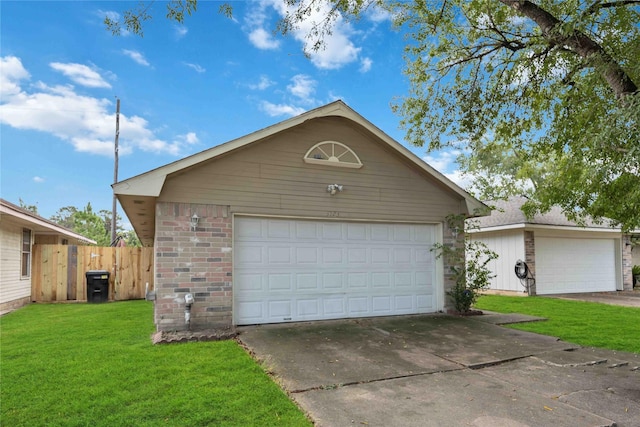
<point>331,231</point>
<point>279,255</point>
<point>333,307</point>
<point>357,255</point>
<point>565,265</point>
<point>308,308</point>
<point>332,256</point>
<point>358,280</point>
<point>356,232</point>
<point>279,282</point>
<point>278,230</point>
<point>306,282</point>
<point>380,256</point>
<point>424,302</point>
<point>403,279</point>
<point>358,305</point>
<point>288,270</point>
<point>332,281</point>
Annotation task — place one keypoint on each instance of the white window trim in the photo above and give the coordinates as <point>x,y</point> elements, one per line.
<point>22,253</point>
<point>332,159</point>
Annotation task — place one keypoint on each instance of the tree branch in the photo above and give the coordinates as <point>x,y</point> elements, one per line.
<point>617,79</point>
<point>595,7</point>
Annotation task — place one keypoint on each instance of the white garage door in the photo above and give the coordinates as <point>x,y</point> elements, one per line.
<point>566,265</point>
<point>294,270</point>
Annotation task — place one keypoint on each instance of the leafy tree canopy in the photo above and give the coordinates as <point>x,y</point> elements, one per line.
<point>540,97</point>
<point>94,225</point>
<point>31,208</point>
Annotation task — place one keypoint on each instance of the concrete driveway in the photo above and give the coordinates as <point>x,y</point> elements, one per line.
<point>446,371</point>
<point>622,298</point>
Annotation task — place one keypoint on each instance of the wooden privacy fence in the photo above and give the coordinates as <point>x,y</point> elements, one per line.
<point>58,271</point>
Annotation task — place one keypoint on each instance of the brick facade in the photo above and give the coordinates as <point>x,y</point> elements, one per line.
<point>453,240</point>
<point>193,261</point>
<point>627,263</point>
<point>530,259</point>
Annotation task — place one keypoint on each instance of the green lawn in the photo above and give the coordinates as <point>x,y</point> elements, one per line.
<point>584,323</point>
<point>94,365</point>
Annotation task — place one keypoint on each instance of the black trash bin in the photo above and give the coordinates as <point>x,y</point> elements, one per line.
<point>97,285</point>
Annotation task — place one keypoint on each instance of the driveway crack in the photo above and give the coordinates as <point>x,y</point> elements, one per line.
<point>375,380</point>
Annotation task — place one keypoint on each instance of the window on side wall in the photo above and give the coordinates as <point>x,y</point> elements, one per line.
<point>26,252</point>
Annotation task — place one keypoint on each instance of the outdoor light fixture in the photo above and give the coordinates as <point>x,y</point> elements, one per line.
<point>194,221</point>
<point>455,231</point>
<point>334,188</point>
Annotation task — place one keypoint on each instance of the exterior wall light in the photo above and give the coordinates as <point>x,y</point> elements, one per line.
<point>334,188</point>
<point>194,221</point>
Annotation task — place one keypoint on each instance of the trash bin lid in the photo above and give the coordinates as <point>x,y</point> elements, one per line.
<point>97,273</point>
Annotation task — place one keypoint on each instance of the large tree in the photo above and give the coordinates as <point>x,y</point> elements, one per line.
<point>540,97</point>
<point>94,225</point>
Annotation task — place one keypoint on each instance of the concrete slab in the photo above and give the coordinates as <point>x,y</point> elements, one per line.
<point>597,381</point>
<point>505,318</point>
<point>621,298</point>
<point>328,354</point>
<point>459,398</point>
<point>445,370</point>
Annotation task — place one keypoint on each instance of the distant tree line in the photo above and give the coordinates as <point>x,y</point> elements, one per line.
<point>91,224</point>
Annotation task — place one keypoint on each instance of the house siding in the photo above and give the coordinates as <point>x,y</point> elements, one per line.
<point>271,178</point>
<point>14,289</point>
<point>510,245</point>
<point>196,262</point>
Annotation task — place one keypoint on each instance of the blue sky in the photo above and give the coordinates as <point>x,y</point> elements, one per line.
<point>183,89</point>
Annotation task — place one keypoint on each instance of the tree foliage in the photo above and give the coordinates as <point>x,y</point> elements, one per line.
<point>540,97</point>
<point>31,208</point>
<point>94,225</point>
<point>469,264</point>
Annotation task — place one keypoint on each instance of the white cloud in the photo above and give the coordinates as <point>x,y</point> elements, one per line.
<point>11,73</point>
<point>114,16</point>
<point>81,74</point>
<point>365,65</point>
<point>136,56</point>
<point>196,67</point>
<point>188,138</point>
<point>275,110</point>
<point>263,84</point>
<point>338,49</point>
<point>86,122</point>
<point>302,86</point>
<point>38,179</point>
<point>445,162</point>
<point>377,14</point>
<point>262,39</point>
<point>180,31</point>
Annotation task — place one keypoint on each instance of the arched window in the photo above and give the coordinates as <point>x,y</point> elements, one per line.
<point>332,153</point>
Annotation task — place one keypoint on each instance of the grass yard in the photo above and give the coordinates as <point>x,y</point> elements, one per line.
<point>94,365</point>
<point>584,323</point>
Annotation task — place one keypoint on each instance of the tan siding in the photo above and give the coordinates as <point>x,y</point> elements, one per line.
<point>270,177</point>
<point>12,286</point>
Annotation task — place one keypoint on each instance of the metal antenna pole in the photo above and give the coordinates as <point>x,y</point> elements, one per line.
<point>115,173</point>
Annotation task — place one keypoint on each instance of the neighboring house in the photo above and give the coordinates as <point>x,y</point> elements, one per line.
<point>322,216</point>
<point>563,257</point>
<point>20,229</point>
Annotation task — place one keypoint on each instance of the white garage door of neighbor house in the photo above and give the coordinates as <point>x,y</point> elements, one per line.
<point>295,270</point>
<point>565,265</point>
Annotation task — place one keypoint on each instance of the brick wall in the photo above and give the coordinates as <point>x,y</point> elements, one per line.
<point>193,261</point>
<point>627,263</point>
<point>452,240</point>
<point>530,258</point>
